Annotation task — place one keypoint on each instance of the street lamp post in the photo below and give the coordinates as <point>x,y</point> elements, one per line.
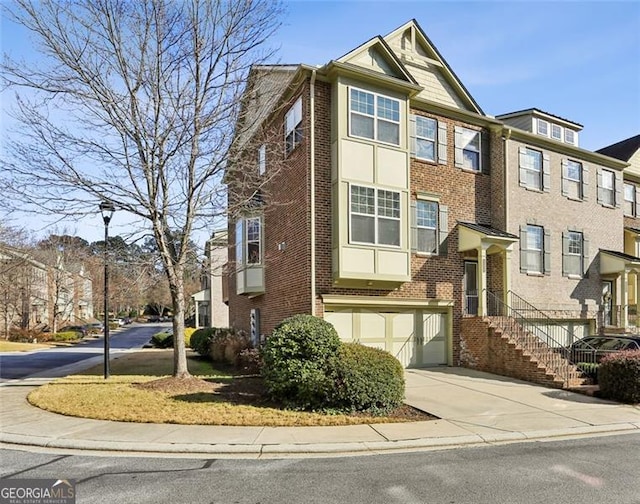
<point>107,210</point>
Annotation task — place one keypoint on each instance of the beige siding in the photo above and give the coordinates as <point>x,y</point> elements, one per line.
<point>520,122</point>
<point>634,169</point>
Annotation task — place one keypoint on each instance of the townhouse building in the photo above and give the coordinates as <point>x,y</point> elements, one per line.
<point>209,302</point>
<point>374,192</point>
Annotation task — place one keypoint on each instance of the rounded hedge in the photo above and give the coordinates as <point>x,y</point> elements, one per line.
<point>367,379</point>
<point>200,340</point>
<point>619,376</point>
<point>298,360</point>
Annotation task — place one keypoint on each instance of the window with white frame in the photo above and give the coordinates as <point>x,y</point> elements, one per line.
<point>543,127</point>
<point>426,129</point>
<point>533,250</point>
<point>573,253</point>
<point>248,241</point>
<point>427,226</point>
<point>293,126</point>
<point>262,159</point>
<point>630,200</point>
<point>531,168</point>
<point>374,216</point>
<point>556,132</point>
<point>374,116</point>
<point>468,148</point>
<point>574,178</point>
<point>607,189</point>
<point>569,136</point>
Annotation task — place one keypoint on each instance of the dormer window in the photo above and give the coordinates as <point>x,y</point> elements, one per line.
<point>556,132</point>
<point>569,136</point>
<point>543,128</point>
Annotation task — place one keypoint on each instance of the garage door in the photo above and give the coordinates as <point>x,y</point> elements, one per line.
<point>417,338</point>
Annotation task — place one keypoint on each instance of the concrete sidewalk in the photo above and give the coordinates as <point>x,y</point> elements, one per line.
<point>474,408</point>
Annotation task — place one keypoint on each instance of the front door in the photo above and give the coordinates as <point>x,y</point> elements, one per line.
<point>471,287</point>
<point>607,303</point>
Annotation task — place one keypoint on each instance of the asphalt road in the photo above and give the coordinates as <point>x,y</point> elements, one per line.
<point>596,470</point>
<point>20,364</point>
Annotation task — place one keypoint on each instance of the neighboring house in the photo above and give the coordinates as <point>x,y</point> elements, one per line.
<point>210,307</point>
<point>379,196</point>
<point>628,299</point>
<point>33,293</point>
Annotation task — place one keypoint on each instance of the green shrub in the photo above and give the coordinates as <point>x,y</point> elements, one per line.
<point>200,340</point>
<point>162,340</point>
<point>619,376</point>
<point>67,336</point>
<point>298,358</point>
<point>367,379</point>
<point>589,369</point>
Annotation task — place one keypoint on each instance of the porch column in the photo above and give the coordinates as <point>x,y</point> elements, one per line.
<point>482,280</point>
<point>506,274</point>
<point>624,299</point>
<point>197,321</point>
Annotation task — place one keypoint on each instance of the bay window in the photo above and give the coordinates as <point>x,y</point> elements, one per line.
<point>374,216</point>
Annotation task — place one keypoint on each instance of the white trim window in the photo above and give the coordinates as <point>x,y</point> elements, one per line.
<point>248,242</point>
<point>531,168</point>
<point>374,116</point>
<point>532,249</point>
<point>556,132</point>
<point>374,216</point>
<point>574,179</point>
<point>468,148</point>
<point>427,226</point>
<point>542,127</point>
<point>426,138</point>
<point>573,254</point>
<point>569,136</point>
<point>293,126</point>
<point>262,159</point>
<point>629,200</point>
<point>608,188</point>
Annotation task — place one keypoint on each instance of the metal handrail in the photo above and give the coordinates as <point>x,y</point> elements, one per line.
<point>514,321</point>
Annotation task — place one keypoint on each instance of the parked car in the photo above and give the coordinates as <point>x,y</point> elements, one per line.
<point>95,327</point>
<point>75,328</point>
<point>126,320</point>
<point>595,348</point>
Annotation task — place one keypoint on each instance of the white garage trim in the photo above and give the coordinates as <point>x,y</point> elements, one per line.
<point>381,302</point>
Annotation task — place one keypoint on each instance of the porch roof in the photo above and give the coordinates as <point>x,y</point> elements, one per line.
<point>614,262</point>
<point>201,296</point>
<point>474,235</point>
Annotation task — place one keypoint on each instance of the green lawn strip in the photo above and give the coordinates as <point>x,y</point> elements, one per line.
<point>14,346</point>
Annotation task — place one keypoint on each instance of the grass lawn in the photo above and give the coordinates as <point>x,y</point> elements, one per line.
<point>140,390</point>
<point>14,346</point>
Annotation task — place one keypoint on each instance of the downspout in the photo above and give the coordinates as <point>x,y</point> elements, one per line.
<point>506,136</point>
<point>312,168</point>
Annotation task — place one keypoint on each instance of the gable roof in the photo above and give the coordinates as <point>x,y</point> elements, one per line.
<point>622,150</point>
<point>432,53</point>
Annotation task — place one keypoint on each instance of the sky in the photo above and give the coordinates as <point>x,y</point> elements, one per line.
<point>575,59</point>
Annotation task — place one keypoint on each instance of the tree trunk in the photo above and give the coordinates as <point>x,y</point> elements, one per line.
<point>180,369</point>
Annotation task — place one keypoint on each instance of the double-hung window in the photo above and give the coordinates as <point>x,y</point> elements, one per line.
<point>630,200</point>
<point>293,126</point>
<point>531,168</point>
<point>607,188</point>
<point>427,226</point>
<point>426,129</point>
<point>543,128</point>
<point>374,116</point>
<point>535,250</point>
<point>556,132</point>
<point>572,253</point>
<point>374,216</point>
<point>468,148</point>
<point>569,136</point>
<point>572,179</point>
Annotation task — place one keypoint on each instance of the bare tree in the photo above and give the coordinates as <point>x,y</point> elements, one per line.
<point>135,104</point>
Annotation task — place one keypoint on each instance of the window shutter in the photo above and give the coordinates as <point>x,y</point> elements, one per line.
<point>412,135</point>
<point>599,177</point>
<point>547,252</point>
<point>617,185</point>
<point>459,157</point>
<point>485,152</point>
<point>524,267</point>
<point>585,182</point>
<point>414,227</point>
<point>546,173</point>
<point>522,161</point>
<point>565,169</point>
<point>442,142</point>
<point>565,254</point>
<point>585,256</point>
<point>443,229</point>
<point>637,201</point>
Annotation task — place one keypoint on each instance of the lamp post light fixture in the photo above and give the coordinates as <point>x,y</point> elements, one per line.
<point>106,209</point>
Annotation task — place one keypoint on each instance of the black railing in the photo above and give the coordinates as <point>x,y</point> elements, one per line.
<point>536,333</point>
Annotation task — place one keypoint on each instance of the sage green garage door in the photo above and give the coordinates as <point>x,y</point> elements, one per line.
<point>417,338</point>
